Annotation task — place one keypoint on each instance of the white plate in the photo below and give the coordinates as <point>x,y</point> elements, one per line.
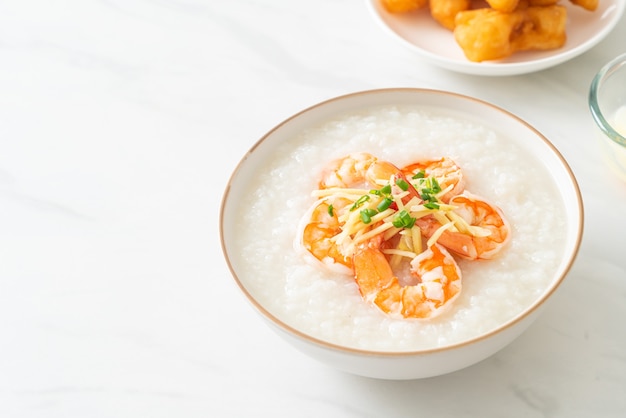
<point>419,31</point>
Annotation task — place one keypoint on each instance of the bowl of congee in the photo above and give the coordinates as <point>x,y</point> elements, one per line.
<point>401,233</point>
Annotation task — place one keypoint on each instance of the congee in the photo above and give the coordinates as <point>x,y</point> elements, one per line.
<point>321,297</point>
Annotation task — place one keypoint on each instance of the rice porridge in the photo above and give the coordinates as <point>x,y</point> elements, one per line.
<point>328,306</point>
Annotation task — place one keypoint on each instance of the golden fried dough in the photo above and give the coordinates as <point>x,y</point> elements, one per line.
<point>495,29</point>
<point>586,4</point>
<point>503,5</point>
<point>484,34</point>
<point>488,34</point>
<point>445,11</point>
<point>543,28</point>
<point>542,2</point>
<point>401,6</point>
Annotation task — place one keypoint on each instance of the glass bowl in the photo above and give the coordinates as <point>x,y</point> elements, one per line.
<point>607,102</point>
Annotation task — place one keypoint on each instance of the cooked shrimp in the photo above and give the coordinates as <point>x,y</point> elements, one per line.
<point>334,227</point>
<point>358,170</point>
<point>479,229</point>
<point>447,173</point>
<point>322,226</point>
<point>437,277</point>
<point>372,219</point>
<point>348,171</point>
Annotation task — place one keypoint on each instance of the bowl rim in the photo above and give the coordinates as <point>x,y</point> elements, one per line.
<point>605,72</point>
<point>508,325</point>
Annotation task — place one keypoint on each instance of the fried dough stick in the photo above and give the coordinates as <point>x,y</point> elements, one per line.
<point>401,6</point>
<point>487,34</point>
<point>503,5</point>
<point>445,11</point>
<point>590,5</point>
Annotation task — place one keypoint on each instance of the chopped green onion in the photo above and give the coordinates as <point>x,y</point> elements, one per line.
<point>402,184</point>
<point>386,189</point>
<point>426,196</point>
<point>366,215</point>
<point>359,202</point>
<point>419,175</point>
<point>435,185</point>
<point>428,188</point>
<point>384,204</point>
<point>330,209</point>
<point>403,219</point>
<point>431,205</point>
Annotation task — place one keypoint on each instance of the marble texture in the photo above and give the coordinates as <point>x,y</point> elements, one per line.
<point>120,123</point>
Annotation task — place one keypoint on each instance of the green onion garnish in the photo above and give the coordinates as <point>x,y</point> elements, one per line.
<point>419,175</point>
<point>384,204</point>
<point>402,184</point>
<point>360,202</point>
<point>402,219</point>
<point>435,185</point>
<point>366,215</point>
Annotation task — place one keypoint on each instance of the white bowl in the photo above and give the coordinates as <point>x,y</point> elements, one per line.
<point>382,362</point>
<point>436,45</point>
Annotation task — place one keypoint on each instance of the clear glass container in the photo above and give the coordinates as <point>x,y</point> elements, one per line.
<point>607,102</point>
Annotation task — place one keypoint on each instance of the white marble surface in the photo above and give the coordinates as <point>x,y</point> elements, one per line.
<point>120,123</point>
